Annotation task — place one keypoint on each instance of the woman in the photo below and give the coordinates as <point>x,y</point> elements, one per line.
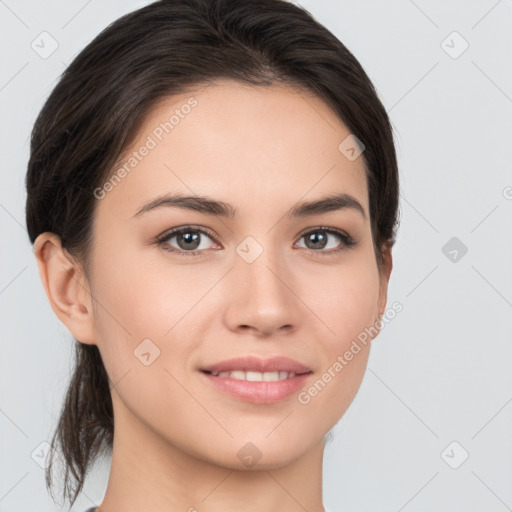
<point>212,373</point>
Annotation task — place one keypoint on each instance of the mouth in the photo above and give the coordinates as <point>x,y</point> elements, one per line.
<point>259,381</point>
<point>253,376</point>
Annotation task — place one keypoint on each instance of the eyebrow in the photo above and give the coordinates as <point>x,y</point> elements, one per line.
<point>331,203</point>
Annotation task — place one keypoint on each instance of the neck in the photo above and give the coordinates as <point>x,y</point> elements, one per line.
<point>149,473</point>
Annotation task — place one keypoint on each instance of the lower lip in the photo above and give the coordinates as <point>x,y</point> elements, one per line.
<point>259,392</point>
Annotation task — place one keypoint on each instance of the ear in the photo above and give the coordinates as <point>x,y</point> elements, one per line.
<point>385,273</point>
<point>66,287</point>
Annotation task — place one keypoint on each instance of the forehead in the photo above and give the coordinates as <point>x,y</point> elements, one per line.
<point>227,139</point>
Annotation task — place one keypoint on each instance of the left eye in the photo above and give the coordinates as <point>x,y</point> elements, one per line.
<point>318,239</point>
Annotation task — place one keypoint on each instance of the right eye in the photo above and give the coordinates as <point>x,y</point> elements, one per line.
<point>189,241</point>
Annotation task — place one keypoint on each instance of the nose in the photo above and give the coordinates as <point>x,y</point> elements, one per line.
<point>263,297</point>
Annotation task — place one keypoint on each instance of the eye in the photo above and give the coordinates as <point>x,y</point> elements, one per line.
<point>318,239</point>
<point>189,240</point>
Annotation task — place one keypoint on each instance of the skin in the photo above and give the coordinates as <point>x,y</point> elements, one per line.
<point>263,150</point>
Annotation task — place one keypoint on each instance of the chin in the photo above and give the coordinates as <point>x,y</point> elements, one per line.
<point>255,452</point>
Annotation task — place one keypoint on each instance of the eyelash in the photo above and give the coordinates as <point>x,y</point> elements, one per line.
<point>162,240</point>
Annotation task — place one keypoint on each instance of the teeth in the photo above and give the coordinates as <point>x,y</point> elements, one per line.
<point>255,376</point>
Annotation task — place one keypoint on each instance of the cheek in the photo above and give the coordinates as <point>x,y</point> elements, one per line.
<point>346,299</point>
<point>139,292</point>
<point>348,305</point>
<point>137,301</point>
<point>329,395</point>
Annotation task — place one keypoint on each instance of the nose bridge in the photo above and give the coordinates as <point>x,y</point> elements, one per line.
<point>259,265</point>
<point>261,297</point>
<point>263,273</point>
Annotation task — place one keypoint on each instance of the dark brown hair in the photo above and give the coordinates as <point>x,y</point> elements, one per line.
<point>94,112</point>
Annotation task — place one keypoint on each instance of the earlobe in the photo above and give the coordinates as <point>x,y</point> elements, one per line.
<point>66,287</point>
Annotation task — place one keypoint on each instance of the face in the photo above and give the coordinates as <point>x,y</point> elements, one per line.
<point>252,275</point>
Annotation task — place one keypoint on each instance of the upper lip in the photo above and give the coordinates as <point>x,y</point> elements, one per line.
<point>255,364</point>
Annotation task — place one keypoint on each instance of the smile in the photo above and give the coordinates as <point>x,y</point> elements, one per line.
<point>255,380</point>
<point>255,376</point>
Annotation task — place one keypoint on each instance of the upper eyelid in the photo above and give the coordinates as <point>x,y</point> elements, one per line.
<point>174,231</point>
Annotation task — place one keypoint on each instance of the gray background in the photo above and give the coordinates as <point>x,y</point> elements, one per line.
<point>440,371</point>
